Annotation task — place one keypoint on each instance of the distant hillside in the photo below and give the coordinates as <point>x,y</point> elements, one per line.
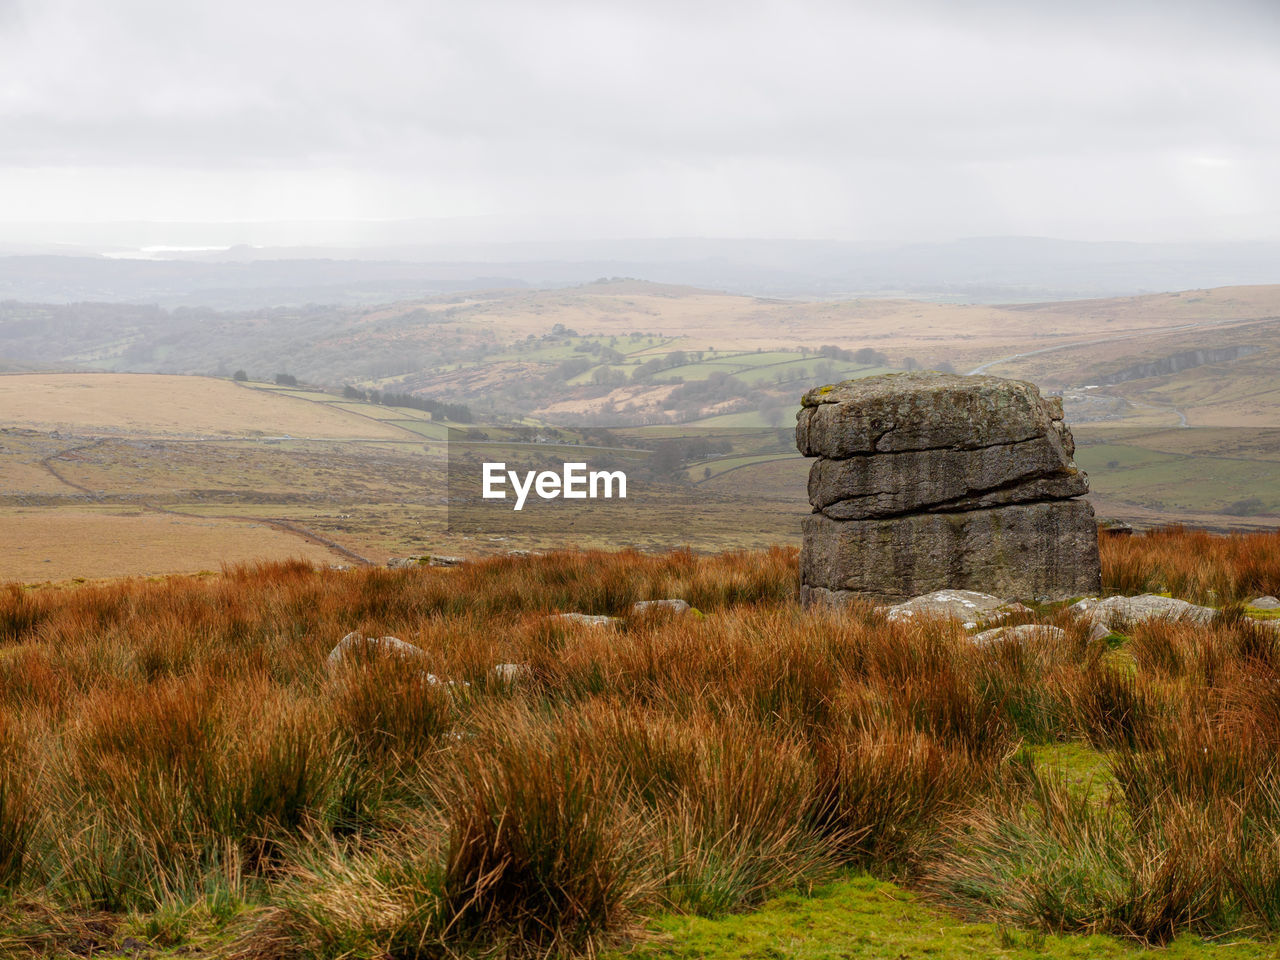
<point>620,348</point>
<point>990,270</point>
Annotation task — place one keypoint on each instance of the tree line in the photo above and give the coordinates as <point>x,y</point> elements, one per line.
<point>439,410</point>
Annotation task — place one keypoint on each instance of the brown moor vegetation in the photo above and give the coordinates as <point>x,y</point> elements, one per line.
<point>176,758</point>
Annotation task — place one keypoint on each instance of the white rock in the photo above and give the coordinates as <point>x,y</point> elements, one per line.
<point>590,619</point>
<point>1099,631</point>
<point>1264,603</point>
<point>385,646</point>
<point>512,673</point>
<point>968,606</point>
<point>642,607</point>
<point>1022,633</point>
<point>1116,612</point>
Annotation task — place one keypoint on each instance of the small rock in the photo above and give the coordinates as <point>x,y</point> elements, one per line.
<point>1115,529</point>
<point>1116,612</point>
<point>386,646</point>
<point>642,607</point>
<point>590,619</point>
<point>380,645</point>
<point>1009,609</point>
<point>1099,631</point>
<point>968,606</point>
<point>512,673</point>
<point>1264,603</point>
<point>1021,633</point>
<point>438,560</point>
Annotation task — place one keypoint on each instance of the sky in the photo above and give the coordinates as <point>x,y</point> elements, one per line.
<point>568,119</point>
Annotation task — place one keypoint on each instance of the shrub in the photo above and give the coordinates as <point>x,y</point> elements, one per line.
<point>537,853</point>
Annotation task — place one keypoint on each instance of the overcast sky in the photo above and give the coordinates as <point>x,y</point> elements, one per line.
<point>863,121</point>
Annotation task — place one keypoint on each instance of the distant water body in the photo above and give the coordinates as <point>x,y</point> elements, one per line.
<point>159,253</point>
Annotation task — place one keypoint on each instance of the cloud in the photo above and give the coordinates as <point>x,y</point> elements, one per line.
<point>776,116</point>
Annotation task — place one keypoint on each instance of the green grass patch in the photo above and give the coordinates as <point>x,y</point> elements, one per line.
<point>426,428</point>
<point>718,467</point>
<point>862,917</point>
<point>802,370</point>
<point>1081,765</point>
<point>753,419</point>
<point>1099,456</point>
<point>1167,481</point>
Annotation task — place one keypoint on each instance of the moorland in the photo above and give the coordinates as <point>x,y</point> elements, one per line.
<point>151,440</point>
<point>182,773</point>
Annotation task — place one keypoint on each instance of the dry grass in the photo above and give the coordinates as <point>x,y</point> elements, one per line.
<point>47,543</point>
<point>118,404</point>
<point>176,753</point>
<point>1193,565</point>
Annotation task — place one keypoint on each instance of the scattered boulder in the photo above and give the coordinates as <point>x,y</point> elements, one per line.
<point>1122,612</point>
<point>512,673</point>
<point>968,606</point>
<point>591,619</point>
<point>674,605</point>
<point>354,645</point>
<point>924,481</point>
<point>1099,631</point>
<point>1026,632</point>
<point>1264,603</point>
<point>430,560</point>
<point>1114,528</point>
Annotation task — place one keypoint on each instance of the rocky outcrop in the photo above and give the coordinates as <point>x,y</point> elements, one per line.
<point>924,481</point>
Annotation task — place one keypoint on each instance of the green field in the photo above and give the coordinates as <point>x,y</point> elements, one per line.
<point>1180,483</point>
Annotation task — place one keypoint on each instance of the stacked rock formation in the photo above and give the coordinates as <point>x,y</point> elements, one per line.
<point>925,481</point>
